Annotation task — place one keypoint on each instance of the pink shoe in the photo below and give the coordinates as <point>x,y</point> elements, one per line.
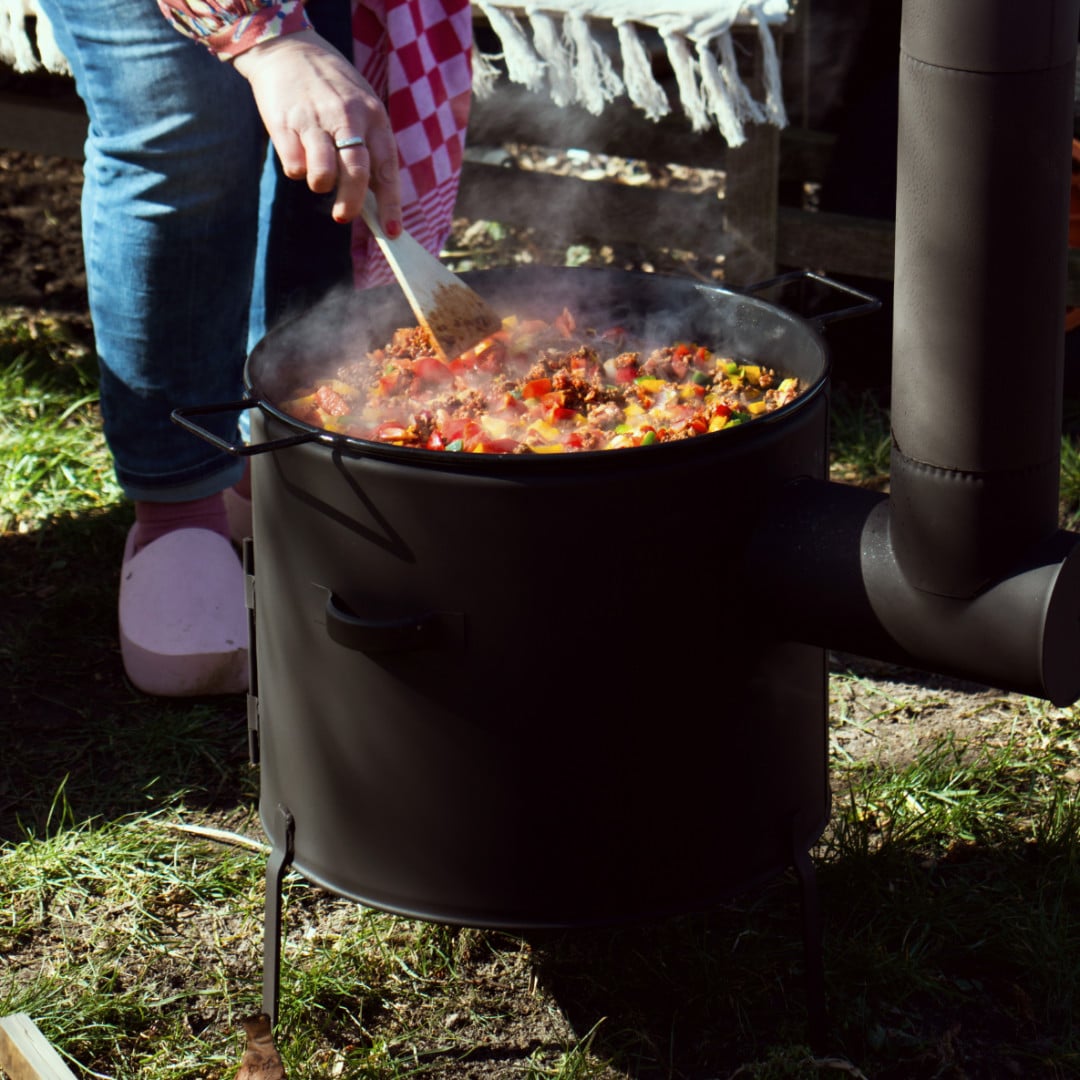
<point>183,619</point>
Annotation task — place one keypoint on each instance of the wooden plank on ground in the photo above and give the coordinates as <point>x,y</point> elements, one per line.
<point>515,115</point>
<point>42,125</point>
<point>750,226</point>
<point>835,243</point>
<point>25,1054</point>
<point>565,207</point>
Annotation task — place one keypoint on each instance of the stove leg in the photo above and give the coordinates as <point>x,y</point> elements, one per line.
<point>281,855</point>
<point>817,1016</point>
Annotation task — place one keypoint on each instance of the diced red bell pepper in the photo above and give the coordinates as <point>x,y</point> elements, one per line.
<point>565,323</point>
<point>497,446</point>
<point>626,374</point>
<point>559,412</point>
<point>536,388</point>
<point>466,430</point>
<point>721,410</point>
<point>430,369</point>
<point>435,441</point>
<point>391,431</point>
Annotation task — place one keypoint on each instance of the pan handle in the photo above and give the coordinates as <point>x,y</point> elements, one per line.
<point>431,630</point>
<point>867,304</point>
<point>237,449</point>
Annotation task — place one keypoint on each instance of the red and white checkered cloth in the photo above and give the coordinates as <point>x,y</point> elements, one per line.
<point>417,56</point>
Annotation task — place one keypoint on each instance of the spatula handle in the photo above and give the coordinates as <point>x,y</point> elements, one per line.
<point>370,213</point>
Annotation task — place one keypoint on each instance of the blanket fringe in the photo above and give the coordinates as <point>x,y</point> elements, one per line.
<point>774,87</point>
<point>594,75</point>
<point>642,89</point>
<point>685,68</point>
<point>522,63</point>
<point>724,103</point>
<point>23,26</point>
<point>568,61</point>
<point>574,68</point>
<point>485,74</point>
<point>560,63</point>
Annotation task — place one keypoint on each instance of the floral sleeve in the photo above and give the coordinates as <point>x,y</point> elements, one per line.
<point>230,27</point>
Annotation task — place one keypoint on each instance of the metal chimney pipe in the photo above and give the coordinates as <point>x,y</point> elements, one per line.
<point>986,93</point>
<point>962,569</point>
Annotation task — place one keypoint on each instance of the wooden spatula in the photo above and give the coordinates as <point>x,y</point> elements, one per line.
<point>453,314</point>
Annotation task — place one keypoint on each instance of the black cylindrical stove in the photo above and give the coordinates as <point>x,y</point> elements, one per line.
<point>533,691</point>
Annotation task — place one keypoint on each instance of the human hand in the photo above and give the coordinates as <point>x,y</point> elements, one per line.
<point>310,98</point>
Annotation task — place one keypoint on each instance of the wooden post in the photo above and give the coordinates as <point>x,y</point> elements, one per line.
<point>750,199</point>
<point>751,195</point>
<point>25,1054</point>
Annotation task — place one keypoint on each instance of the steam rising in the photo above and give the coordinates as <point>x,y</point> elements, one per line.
<point>348,325</point>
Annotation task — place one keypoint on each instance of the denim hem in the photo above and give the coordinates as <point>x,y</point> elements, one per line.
<point>145,489</point>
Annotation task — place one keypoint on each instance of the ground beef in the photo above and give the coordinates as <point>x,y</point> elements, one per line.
<point>541,388</point>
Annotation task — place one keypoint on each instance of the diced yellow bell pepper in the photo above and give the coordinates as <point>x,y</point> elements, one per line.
<point>756,408</point>
<point>633,409</point>
<point>650,386</point>
<point>788,384</point>
<point>752,373</point>
<point>717,423</point>
<point>342,388</point>
<point>549,448</point>
<point>545,430</point>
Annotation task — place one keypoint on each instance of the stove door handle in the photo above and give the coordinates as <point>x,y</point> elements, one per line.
<point>405,634</point>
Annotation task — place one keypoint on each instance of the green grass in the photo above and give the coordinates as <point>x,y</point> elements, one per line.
<point>1070,481</point>
<point>859,440</point>
<point>53,459</point>
<point>950,875</point>
<point>951,888</point>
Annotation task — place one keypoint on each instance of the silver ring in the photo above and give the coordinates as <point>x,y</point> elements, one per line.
<point>352,140</point>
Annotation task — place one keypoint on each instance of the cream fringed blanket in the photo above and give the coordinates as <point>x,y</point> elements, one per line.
<point>553,46</point>
<point>16,49</point>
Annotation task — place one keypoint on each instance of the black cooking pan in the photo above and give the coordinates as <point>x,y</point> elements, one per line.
<point>310,348</point>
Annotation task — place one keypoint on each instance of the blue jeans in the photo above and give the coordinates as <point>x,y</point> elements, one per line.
<point>171,227</point>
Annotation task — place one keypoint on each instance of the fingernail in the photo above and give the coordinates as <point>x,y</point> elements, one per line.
<point>393,229</point>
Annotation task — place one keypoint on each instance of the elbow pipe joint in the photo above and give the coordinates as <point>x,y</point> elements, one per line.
<point>836,583</point>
